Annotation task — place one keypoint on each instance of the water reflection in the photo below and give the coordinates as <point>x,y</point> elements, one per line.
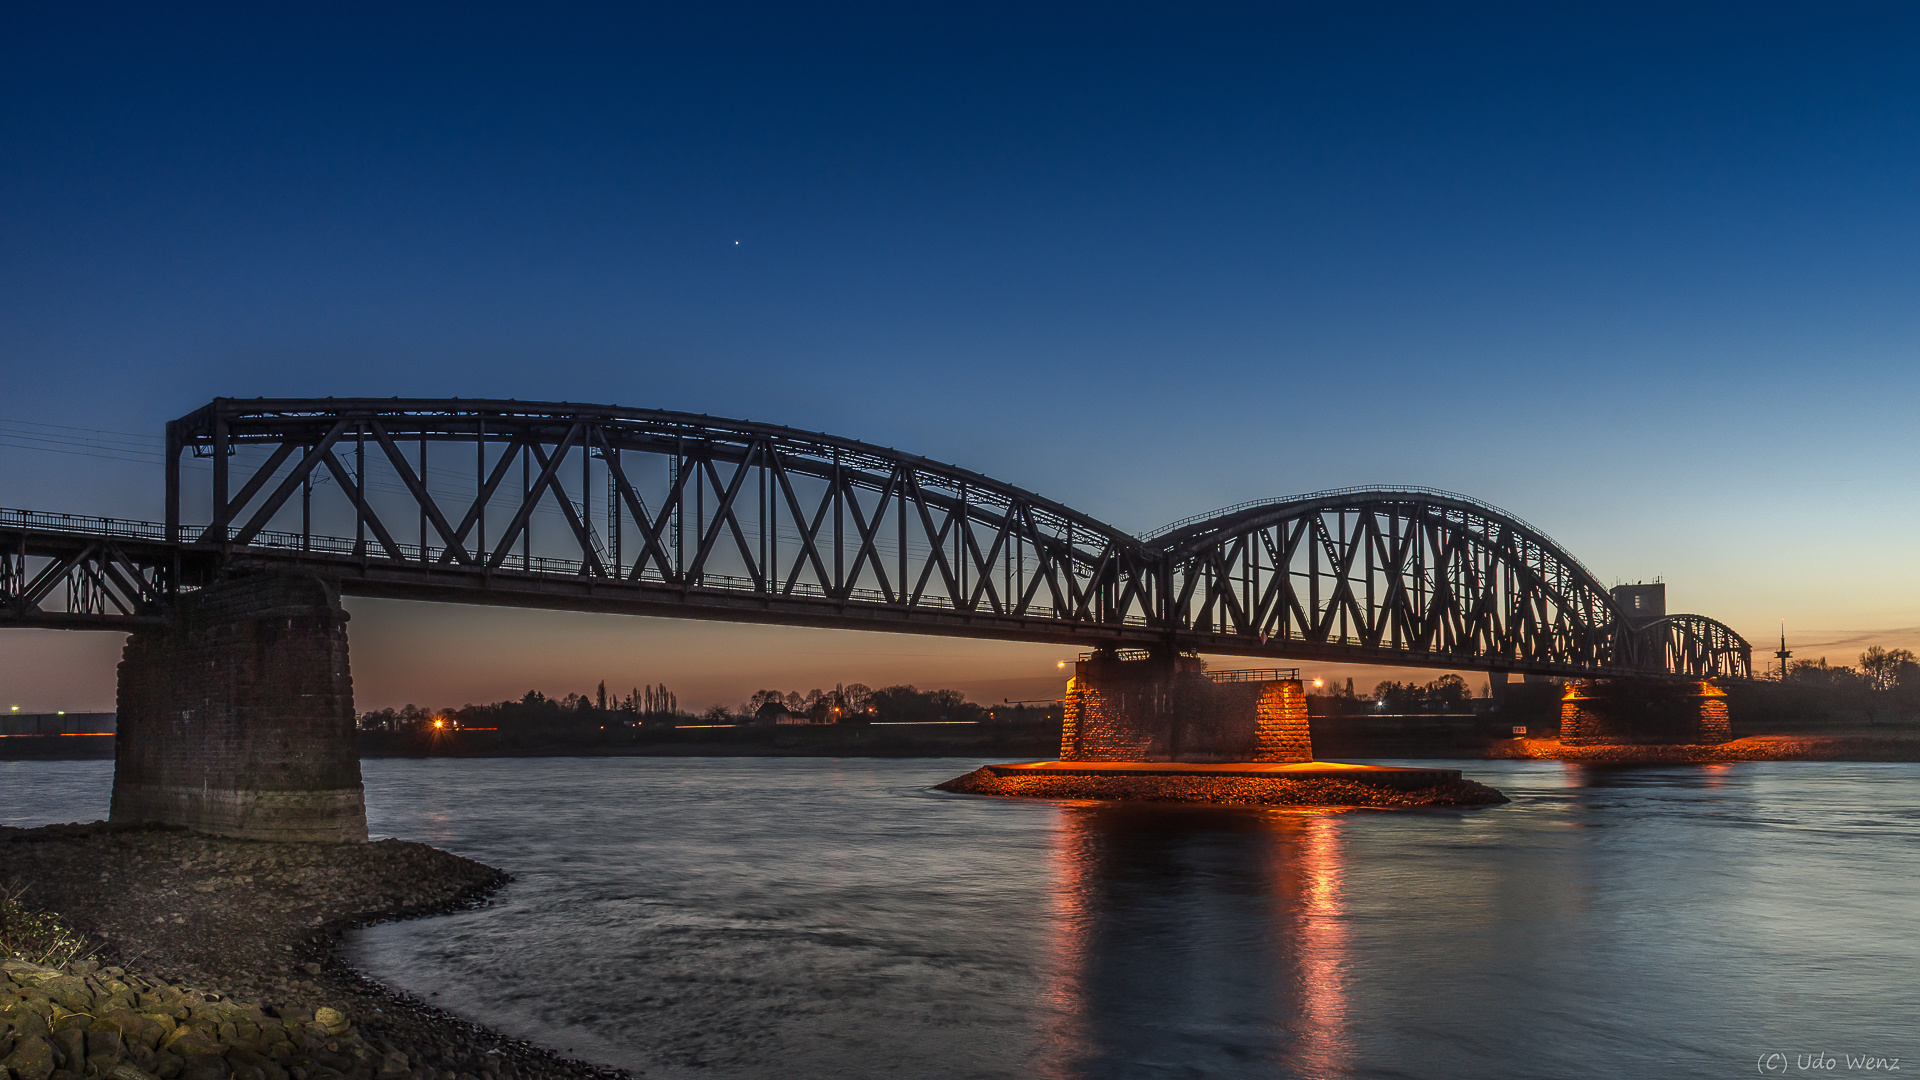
<point>1196,940</point>
<point>773,919</point>
<point>1710,775</point>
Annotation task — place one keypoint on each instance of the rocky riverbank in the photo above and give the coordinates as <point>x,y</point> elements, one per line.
<point>1229,790</point>
<point>1900,747</point>
<point>177,956</point>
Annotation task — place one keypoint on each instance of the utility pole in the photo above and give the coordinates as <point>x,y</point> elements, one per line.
<point>1783,654</point>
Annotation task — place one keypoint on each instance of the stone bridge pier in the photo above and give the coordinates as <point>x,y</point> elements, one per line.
<point>236,718</point>
<point>1163,707</point>
<point>1601,712</point>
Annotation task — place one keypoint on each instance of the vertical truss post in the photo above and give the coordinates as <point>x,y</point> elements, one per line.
<point>173,481</point>
<point>480,489</point>
<point>961,533</point>
<point>13,577</point>
<point>586,494</point>
<point>306,509</point>
<point>760,519</point>
<point>423,505</point>
<point>700,515</point>
<point>772,533</point>
<point>221,511</point>
<point>679,465</point>
<point>615,518</point>
<point>360,490</point>
<point>839,544</point>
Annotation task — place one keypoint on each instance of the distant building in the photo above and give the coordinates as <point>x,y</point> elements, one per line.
<point>775,713</point>
<point>57,723</point>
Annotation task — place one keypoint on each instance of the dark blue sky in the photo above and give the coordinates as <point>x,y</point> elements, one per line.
<point>1645,277</point>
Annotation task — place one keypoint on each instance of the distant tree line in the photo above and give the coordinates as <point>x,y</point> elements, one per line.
<point>1884,671</point>
<point>852,703</point>
<point>643,704</point>
<point>1448,693</point>
<point>857,703</point>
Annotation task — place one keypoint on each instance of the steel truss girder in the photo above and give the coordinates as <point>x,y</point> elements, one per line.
<point>791,512</point>
<point>99,582</point>
<point>716,518</point>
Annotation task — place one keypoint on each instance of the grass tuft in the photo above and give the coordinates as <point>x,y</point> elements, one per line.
<point>37,937</point>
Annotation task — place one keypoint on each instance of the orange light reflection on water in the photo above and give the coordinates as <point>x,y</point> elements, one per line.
<point>1137,934</point>
<point>1319,926</point>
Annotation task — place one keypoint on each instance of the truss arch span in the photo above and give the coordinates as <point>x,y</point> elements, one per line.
<point>1429,575</point>
<point>1695,645</point>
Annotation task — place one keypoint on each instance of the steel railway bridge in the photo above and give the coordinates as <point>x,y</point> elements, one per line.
<point>597,508</point>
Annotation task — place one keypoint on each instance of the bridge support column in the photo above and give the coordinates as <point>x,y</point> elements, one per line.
<point>237,717</point>
<point>1600,712</point>
<point>1163,708</point>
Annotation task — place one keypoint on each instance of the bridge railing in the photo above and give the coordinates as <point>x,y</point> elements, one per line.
<point>1258,675</point>
<point>83,524</point>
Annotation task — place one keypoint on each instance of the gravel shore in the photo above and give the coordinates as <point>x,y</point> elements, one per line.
<point>1889,747</point>
<point>213,959</point>
<point>1236,790</point>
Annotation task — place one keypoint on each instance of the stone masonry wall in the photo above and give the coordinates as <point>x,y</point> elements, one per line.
<point>1716,724</point>
<point>237,718</point>
<point>1611,712</point>
<point>1123,723</point>
<point>1284,735</point>
<point>1166,709</point>
<point>1070,710</point>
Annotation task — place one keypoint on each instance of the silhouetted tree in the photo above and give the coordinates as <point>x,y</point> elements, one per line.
<point>1818,673</point>
<point>1887,669</point>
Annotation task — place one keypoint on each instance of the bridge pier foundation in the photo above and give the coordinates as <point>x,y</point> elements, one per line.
<point>1164,708</point>
<point>236,718</point>
<point>1596,712</point>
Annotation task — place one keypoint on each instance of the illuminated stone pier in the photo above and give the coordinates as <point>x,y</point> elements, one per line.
<point>1166,708</point>
<point>1157,727</point>
<point>1613,712</point>
<point>236,717</point>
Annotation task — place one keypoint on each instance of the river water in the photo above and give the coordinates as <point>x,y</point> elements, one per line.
<point>742,917</point>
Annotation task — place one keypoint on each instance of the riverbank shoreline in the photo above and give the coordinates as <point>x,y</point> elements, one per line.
<point>239,940</point>
<point>1868,745</point>
<point>1864,748</point>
